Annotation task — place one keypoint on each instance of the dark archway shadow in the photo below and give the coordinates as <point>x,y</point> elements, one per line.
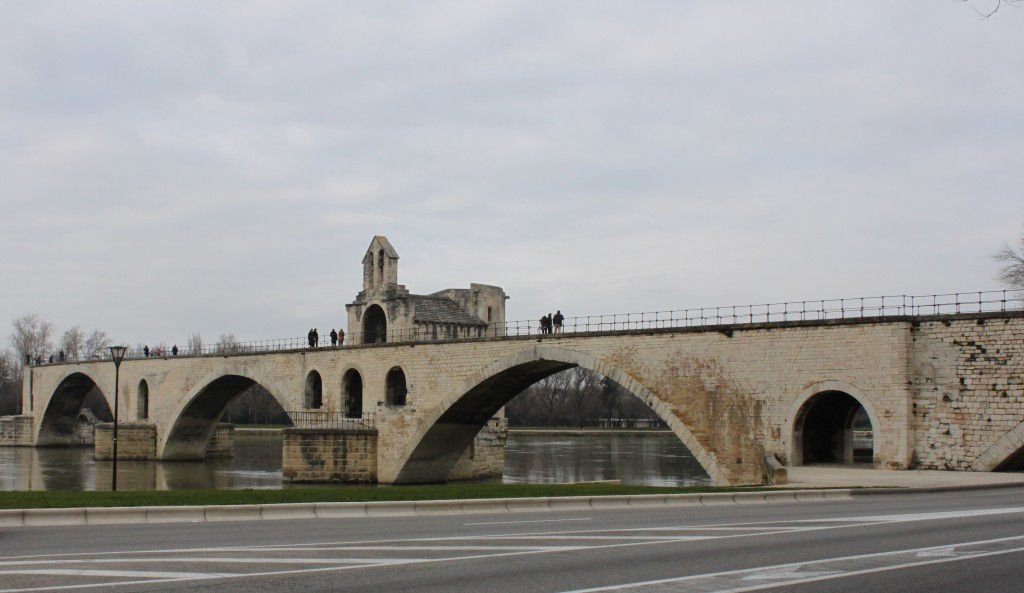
<point>833,427</point>
<point>352,388</point>
<point>375,325</point>
<point>441,447</point>
<point>191,433</point>
<point>60,420</point>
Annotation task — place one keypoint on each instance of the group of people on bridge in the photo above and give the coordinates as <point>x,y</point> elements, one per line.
<point>552,323</point>
<point>337,337</point>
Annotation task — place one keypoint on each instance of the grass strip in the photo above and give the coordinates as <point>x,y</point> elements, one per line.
<point>129,498</point>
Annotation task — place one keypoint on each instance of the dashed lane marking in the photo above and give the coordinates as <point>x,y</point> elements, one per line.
<point>768,577</point>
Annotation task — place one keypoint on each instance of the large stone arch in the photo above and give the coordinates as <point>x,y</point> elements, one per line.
<point>60,419</point>
<point>194,424</point>
<point>793,414</point>
<point>1006,453</point>
<point>443,434</point>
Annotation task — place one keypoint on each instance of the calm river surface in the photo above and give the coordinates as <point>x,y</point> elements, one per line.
<point>657,459</point>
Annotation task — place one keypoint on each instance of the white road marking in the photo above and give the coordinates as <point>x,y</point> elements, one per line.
<point>146,574</point>
<point>907,517</point>
<point>588,539</point>
<point>536,521</point>
<point>738,581</point>
<point>218,560</point>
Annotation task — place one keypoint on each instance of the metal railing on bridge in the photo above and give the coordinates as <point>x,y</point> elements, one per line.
<point>328,420</point>
<point>813,310</point>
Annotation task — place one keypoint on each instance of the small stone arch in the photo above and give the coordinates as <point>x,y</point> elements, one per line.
<point>352,393</point>
<point>60,419</point>
<point>446,431</point>
<point>313,395</point>
<point>375,325</point>
<point>142,401</point>
<point>396,388</point>
<point>824,426</point>
<point>793,445</point>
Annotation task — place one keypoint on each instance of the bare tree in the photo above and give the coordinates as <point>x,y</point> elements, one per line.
<point>10,383</point>
<point>993,6</point>
<point>1011,260</point>
<point>71,343</point>
<point>195,344</point>
<point>227,343</point>
<point>584,385</point>
<point>31,337</point>
<point>95,345</point>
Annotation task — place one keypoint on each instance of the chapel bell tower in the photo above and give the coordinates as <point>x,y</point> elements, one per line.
<point>380,265</point>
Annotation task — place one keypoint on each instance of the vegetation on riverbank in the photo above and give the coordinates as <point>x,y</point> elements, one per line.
<point>90,498</point>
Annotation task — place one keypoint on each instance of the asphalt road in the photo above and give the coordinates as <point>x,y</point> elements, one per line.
<point>954,541</point>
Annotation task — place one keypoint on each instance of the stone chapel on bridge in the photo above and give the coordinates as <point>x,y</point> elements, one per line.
<point>385,311</point>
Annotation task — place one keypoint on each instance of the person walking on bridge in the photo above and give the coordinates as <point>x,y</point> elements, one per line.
<point>334,338</point>
<point>558,319</point>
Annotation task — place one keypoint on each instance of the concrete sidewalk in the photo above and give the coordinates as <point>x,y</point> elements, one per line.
<point>831,476</point>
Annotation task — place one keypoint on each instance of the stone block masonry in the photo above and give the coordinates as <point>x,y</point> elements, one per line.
<point>940,392</point>
<point>968,391</point>
<point>329,455</point>
<point>16,431</point>
<point>135,441</point>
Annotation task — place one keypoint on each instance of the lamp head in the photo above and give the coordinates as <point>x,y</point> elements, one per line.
<point>117,354</point>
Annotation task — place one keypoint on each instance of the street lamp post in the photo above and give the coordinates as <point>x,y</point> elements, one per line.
<point>117,355</point>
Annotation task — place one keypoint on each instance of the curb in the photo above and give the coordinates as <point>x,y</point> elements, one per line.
<point>347,510</point>
<point>933,489</point>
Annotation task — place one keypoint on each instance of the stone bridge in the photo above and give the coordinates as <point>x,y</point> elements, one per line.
<point>941,392</point>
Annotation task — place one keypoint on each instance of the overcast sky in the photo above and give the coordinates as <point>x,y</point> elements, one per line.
<point>180,167</point>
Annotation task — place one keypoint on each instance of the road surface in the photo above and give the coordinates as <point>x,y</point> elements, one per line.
<point>952,541</point>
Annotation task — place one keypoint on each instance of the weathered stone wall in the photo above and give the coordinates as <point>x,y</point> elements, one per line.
<point>485,458</point>
<point>222,443</point>
<point>968,391</point>
<point>329,455</point>
<point>16,431</point>
<point>135,441</point>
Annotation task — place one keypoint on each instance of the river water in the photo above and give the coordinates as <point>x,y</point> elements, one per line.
<point>655,459</point>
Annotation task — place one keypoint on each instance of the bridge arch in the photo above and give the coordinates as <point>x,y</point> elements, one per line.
<point>445,432</point>
<point>825,411</point>
<point>194,425</point>
<point>1006,454</point>
<point>57,427</point>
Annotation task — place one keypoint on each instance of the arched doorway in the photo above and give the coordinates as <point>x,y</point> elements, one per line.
<point>142,401</point>
<point>352,387</point>
<point>833,427</point>
<point>314,394</point>
<point>396,388</point>
<point>375,325</point>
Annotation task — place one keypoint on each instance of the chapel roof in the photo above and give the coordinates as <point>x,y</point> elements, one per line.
<point>432,309</point>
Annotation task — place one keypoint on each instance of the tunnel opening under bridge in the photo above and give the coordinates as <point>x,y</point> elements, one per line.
<point>833,427</point>
<point>230,398</point>
<point>558,396</point>
<point>75,406</point>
